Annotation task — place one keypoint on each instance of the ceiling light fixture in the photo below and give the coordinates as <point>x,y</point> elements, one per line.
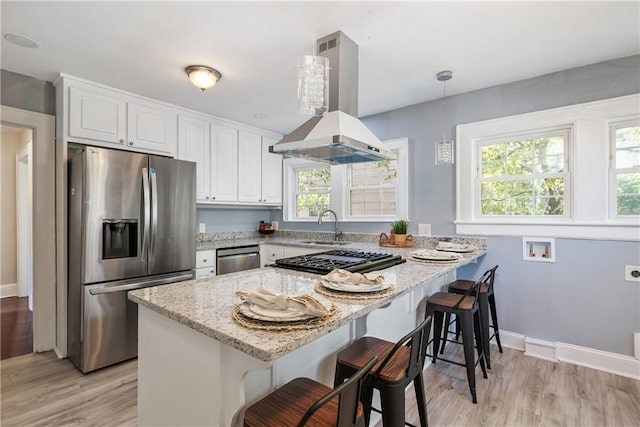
<point>203,77</point>
<point>23,41</point>
<point>444,148</point>
<point>313,84</point>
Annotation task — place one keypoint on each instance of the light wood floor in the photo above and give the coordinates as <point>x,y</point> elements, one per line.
<point>38,389</point>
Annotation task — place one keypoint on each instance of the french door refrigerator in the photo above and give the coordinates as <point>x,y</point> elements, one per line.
<point>132,225</point>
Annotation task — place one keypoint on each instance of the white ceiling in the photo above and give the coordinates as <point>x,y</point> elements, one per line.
<point>144,47</point>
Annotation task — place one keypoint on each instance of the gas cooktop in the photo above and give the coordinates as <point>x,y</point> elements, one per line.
<point>353,261</point>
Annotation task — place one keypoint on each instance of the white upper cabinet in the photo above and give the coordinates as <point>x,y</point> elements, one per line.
<point>194,146</point>
<point>224,164</point>
<point>97,114</point>
<point>249,167</point>
<point>271,173</point>
<point>151,128</point>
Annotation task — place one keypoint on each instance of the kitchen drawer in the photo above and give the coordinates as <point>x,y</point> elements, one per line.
<point>205,272</point>
<point>205,258</point>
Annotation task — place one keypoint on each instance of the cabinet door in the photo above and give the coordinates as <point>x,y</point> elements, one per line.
<point>271,173</point>
<point>193,145</point>
<point>249,167</point>
<point>224,164</point>
<point>290,251</point>
<point>151,128</point>
<point>97,114</point>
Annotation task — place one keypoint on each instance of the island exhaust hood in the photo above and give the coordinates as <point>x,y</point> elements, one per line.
<point>337,137</point>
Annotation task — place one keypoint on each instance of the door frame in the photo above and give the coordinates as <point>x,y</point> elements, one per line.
<point>24,222</point>
<point>44,221</point>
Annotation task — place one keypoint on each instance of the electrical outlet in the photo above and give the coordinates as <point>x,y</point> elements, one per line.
<point>424,229</point>
<point>203,227</point>
<point>632,273</point>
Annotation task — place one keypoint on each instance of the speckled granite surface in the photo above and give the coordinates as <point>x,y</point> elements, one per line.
<point>206,241</point>
<point>205,305</point>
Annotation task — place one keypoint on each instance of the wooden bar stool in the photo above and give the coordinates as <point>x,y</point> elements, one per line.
<point>305,402</point>
<point>400,364</point>
<point>486,305</point>
<point>465,308</point>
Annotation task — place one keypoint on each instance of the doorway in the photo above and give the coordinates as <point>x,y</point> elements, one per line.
<point>16,275</point>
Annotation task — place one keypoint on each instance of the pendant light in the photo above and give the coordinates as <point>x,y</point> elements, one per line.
<point>444,148</point>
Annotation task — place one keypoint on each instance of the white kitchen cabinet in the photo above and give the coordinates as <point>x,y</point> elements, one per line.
<point>194,146</point>
<point>271,174</point>
<point>97,114</point>
<point>205,263</point>
<point>270,253</point>
<point>290,251</point>
<point>249,167</point>
<point>151,127</point>
<point>224,164</point>
<point>109,118</point>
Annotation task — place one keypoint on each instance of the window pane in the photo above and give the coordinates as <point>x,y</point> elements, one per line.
<point>519,206</point>
<point>629,205</point>
<point>492,190</point>
<point>549,187</point>
<point>493,152</point>
<point>310,205</point>
<point>550,205</point>
<point>373,188</point>
<point>628,183</point>
<point>519,188</point>
<point>492,168</point>
<point>317,179</point>
<point>519,157</point>
<point>493,207</point>
<point>628,147</point>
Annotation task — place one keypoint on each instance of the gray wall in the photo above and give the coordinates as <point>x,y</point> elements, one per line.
<point>581,299</point>
<point>27,93</point>
<point>222,219</point>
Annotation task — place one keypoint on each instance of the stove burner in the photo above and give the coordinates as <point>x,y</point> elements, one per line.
<point>352,261</point>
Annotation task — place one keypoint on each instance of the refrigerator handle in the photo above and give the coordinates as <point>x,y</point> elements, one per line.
<point>154,212</point>
<point>146,197</point>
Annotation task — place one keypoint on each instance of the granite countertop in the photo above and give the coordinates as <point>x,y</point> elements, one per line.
<point>205,305</point>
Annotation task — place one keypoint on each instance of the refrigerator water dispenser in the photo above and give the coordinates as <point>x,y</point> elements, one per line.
<point>119,238</point>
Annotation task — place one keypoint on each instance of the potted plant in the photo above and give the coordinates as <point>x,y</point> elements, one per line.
<point>399,229</point>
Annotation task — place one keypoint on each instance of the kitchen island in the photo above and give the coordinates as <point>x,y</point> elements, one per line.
<point>197,366</point>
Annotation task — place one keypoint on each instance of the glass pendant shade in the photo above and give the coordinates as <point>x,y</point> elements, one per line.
<point>313,85</point>
<point>444,152</point>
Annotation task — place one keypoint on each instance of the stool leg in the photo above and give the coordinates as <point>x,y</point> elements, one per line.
<point>457,329</point>
<point>466,324</point>
<point>342,373</point>
<point>483,308</point>
<point>392,401</point>
<point>477,326</point>
<point>437,330</point>
<point>366,398</point>
<point>445,331</point>
<point>418,385</point>
<point>494,319</point>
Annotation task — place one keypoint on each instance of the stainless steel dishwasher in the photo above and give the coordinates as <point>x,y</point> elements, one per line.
<point>230,260</point>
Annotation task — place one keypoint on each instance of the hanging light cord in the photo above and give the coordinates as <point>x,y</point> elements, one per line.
<point>444,110</point>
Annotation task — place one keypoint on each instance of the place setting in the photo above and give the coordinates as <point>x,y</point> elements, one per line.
<point>434,256</point>
<point>263,309</point>
<point>462,248</point>
<point>347,285</point>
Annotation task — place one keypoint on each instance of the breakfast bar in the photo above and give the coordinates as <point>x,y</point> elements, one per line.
<point>198,366</point>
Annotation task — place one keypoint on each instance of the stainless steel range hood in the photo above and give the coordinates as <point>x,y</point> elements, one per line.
<point>338,137</point>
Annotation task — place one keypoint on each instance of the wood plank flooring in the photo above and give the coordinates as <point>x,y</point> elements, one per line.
<point>40,390</point>
<point>16,322</point>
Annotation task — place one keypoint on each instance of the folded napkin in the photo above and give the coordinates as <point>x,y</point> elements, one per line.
<point>265,298</point>
<point>344,276</point>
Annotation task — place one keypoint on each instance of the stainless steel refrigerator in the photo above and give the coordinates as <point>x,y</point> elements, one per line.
<point>132,224</point>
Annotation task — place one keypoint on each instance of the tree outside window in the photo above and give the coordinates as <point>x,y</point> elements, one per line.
<point>625,161</point>
<point>313,189</point>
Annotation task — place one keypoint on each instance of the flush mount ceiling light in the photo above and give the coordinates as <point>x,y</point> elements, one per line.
<point>203,77</point>
<point>23,41</point>
<point>444,148</point>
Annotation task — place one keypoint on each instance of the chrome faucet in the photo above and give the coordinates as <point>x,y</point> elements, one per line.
<point>337,232</point>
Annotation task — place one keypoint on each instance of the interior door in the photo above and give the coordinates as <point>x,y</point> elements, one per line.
<point>173,215</point>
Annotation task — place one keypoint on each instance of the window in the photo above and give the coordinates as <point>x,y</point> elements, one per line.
<point>373,188</point>
<point>312,191</point>
<point>373,191</point>
<point>568,172</point>
<point>524,176</point>
<point>625,168</point>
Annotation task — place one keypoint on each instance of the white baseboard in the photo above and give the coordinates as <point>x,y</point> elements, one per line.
<point>9,290</point>
<point>613,363</point>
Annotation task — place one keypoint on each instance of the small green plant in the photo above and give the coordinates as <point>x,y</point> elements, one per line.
<point>400,227</point>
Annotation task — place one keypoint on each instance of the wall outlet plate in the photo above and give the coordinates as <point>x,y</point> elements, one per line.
<point>202,227</point>
<point>632,273</point>
<point>424,229</point>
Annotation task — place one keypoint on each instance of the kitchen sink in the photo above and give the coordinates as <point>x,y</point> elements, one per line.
<point>324,242</point>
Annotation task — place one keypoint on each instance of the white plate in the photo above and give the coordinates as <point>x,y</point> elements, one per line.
<point>434,262</point>
<point>433,255</point>
<point>245,308</point>
<point>463,249</point>
<point>345,287</point>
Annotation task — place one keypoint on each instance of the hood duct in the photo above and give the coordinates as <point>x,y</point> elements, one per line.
<point>337,137</point>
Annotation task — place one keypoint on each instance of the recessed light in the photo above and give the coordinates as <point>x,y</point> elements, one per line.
<point>21,40</point>
<point>260,116</point>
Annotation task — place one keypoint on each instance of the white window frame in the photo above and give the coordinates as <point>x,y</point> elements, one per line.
<point>614,171</point>
<point>339,199</point>
<point>567,132</point>
<point>588,153</point>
